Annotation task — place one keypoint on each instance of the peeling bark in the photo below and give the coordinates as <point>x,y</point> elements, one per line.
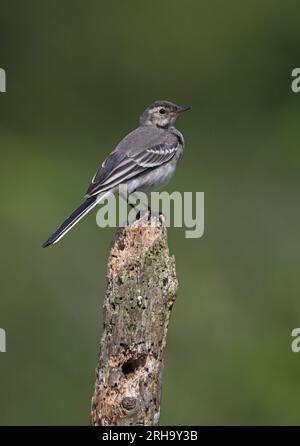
<point>141,290</point>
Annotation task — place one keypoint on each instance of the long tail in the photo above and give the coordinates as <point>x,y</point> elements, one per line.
<point>71,221</point>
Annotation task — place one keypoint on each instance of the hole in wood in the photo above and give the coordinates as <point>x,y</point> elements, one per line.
<point>133,364</point>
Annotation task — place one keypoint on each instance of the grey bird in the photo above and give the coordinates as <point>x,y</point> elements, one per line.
<point>144,160</point>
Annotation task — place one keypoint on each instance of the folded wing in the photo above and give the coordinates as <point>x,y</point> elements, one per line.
<point>119,167</point>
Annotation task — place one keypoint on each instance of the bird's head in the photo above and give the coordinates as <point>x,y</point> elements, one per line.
<point>162,114</point>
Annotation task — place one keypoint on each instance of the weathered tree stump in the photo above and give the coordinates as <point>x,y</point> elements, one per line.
<point>141,290</point>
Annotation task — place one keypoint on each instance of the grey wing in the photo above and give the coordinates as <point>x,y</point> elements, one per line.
<point>119,167</point>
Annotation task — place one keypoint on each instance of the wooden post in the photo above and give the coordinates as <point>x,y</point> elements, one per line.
<point>141,290</point>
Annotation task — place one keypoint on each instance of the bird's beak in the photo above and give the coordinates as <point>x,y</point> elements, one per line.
<point>184,108</point>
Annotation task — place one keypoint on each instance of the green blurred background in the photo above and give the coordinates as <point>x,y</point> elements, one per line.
<point>78,75</point>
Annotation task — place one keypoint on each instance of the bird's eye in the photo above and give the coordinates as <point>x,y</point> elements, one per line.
<point>162,111</point>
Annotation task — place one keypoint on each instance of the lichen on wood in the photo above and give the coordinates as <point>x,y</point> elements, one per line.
<point>141,290</point>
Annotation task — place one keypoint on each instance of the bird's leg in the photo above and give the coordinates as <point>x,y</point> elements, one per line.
<point>138,214</point>
<point>160,215</point>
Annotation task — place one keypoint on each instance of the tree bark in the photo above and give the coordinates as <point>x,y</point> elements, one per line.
<point>141,290</point>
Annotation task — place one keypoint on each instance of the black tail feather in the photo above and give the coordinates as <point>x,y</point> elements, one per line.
<point>71,221</point>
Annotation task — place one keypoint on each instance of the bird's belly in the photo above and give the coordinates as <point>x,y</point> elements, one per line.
<point>153,180</point>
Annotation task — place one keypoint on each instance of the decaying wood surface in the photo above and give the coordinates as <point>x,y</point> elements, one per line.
<point>141,290</point>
